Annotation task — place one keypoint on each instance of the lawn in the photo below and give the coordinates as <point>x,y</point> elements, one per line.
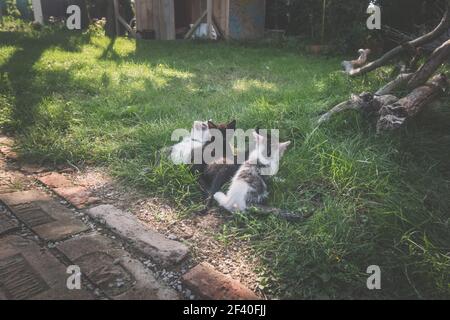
<point>375,200</point>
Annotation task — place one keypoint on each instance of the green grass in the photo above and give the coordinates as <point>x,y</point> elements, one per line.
<point>380,200</point>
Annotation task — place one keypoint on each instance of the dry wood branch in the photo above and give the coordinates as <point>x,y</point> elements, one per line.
<point>366,102</point>
<point>394,84</point>
<point>439,56</point>
<point>443,25</point>
<point>349,66</point>
<point>392,116</point>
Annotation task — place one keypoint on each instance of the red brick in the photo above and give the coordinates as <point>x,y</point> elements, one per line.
<point>48,218</point>
<point>209,283</point>
<point>55,180</point>
<point>78,196</point>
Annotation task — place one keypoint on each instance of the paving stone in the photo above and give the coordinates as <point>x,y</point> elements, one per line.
<point>209,283</point>
<point>49,219</point>
<point>113,270</point>
<point>29,272</point>
<point>79,197</point>
<point>147,241</point>
<point>7,224</point>
<point>55,180</point>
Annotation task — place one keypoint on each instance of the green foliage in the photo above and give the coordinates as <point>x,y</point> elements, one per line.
<point>345,20</point>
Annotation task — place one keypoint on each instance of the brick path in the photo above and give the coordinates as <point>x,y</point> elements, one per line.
<point>48,224</point>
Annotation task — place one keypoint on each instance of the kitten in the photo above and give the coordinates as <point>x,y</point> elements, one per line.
<point>216,173</point>
<point>248,185</point>
<point>181,152</point>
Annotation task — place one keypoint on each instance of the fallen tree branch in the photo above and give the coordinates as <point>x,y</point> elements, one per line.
<point>393,115</point>
<point>365,101</point>
<point>438,57</point>
<point>442,26</point>
<point>394,84</point>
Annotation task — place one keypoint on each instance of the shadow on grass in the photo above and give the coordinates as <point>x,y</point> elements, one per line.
<point>18,75</point>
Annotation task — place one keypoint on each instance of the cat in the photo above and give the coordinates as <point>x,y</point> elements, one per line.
<point>226,132</point>
<point>181,152</point>
<point>218,173</point>
<point>213,175</point>
<point>248,185</point>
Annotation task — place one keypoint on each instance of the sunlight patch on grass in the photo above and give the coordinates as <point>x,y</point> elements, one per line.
<point>243,85</point>
<point>6,52</point>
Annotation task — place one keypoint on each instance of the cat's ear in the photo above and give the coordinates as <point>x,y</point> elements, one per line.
<point>232,125</point>
<point>211,125</point>
<point>284,145</point>
<point>258,138</point>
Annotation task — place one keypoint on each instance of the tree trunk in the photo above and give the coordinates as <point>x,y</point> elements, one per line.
<point>365,101</point>
<point>439,56</point>
<point>392,116</point>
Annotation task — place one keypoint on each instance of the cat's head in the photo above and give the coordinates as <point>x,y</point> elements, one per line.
<point>231,126</point>
<point>200,131</point>
<point>269,151</point>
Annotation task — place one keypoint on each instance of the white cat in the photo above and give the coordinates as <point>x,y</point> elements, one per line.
<point>181,153</point>
<point>248,185</point>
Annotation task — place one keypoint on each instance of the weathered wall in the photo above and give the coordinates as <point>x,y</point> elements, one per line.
<point>246,19</point>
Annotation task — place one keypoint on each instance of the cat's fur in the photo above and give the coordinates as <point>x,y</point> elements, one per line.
<point>211,177</point>
<point>216,174</point>
<point>248,185</point>
<point>181,152</point>
<point>227,131</point>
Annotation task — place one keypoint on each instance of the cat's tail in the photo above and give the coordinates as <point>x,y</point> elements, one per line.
<point>221,198</point>
<point>281,213</point>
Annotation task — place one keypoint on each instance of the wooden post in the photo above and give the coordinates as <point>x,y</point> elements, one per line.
<point>37,11</point>
<point>195,25</point>
<point>209,9</point>
<point>116,16</point>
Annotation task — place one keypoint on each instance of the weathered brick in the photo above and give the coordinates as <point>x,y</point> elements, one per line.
<point>113,270</point>
<point>49,219</point>
<point>79,197</point>
<point>209,283</point>
<point>149,242</point>
<point>29,272</point>
<point>55,180</point>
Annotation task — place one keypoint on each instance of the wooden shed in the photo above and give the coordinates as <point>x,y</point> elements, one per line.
<point>171,19</point>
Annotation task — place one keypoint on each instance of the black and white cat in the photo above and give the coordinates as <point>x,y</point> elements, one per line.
<point>181,153</point>
<point>248,185</point>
